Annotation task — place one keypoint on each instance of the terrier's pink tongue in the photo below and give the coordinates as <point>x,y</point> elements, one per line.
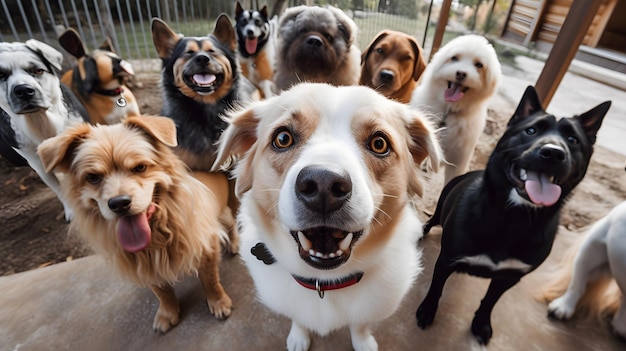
<point>133,232</point>
<point>454,93</point>
<point>204,78</point>
<point>251,46</point>
<point>540,190</point>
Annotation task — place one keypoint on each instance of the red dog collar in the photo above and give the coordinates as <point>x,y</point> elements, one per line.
<point>324,285</point>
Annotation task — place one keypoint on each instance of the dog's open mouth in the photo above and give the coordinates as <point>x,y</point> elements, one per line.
<point>325,247</point>
<point>204,83</point>
<point>251,44</point>
<point>539,188</point>
<point>133,231</point>
<point>455,92</point>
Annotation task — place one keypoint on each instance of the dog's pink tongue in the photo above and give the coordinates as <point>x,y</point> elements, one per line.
<point>251,46</point>
<point>454,93</point>
<point>204,78</point>
<point>133,232</point>
<point>540,190</point>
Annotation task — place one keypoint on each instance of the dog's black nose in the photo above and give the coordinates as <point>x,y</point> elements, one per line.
<point>386,76</point>
<point>323,190</point>
<point>460,75</point>
<point>550,152</point>
<point>119,204</point>
<point>314,40</point>
<point>23,91</point>
<point>202,59</point>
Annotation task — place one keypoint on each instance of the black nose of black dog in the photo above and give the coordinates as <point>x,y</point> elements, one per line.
<point>314,40</point>
<point>23,91</point>
<point>460,75</point>
<point>550,152</point>
<point>202,59</point>
<point>323,190</point>
<point>120,204</point>
<point>386,76</point>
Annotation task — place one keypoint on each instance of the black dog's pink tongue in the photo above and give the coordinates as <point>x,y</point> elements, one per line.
<point>251,46</point>
<point>133,232</point>
<point>454,93</point>
<point>541,190</point>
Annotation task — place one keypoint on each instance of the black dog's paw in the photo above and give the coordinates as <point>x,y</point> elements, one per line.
<point>425,315</point>
<point>482,332</point>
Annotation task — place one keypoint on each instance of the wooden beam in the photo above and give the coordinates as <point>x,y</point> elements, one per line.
<point>442,21</point>
<point>537,19</point>
<point>570,37</point>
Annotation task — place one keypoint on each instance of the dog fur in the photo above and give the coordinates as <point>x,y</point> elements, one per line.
<point>326,183</point>
<point>593,276</point>
<point>392,64</point>
<point>36,105</point>
<point>200,80</point>
<point>455,88</point>
<point>256,39</point>
<point>124,179</point>
<point>500,223</point>
<point>316,44</point>
<point>98,80</point>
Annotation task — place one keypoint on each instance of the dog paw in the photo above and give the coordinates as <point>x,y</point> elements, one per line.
<point>165,320</point>
<point>221,308</point>
<point>298,339</point>
<point>367,344</point>
<point>482,332</point>
<point>425,315</point>
<point>560,309</point>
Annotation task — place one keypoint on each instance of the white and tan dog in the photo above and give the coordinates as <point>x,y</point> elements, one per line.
<point>326,180</point>
<point>455,88</point>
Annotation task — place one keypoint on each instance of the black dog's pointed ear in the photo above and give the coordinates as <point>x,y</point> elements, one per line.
<point>263,11</point>
<point>224,32</point>
<point>528,105</point>
<point>70,40</point>
<point>238,9</point>
<point>592,120</point>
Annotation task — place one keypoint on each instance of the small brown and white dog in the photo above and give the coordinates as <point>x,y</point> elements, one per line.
<point>455,88</point>
<point>98,80</point>
<point>316,44</point>
<point>326,181</point>
<point>138,205</point>
<point>392,64</point>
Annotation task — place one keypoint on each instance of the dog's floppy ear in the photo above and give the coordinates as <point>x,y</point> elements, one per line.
<point>368,50</point>
<point>224,32</point>
<point>50,55</point>
<point>345,24</point>
<point>164,38</point>
<point>592,120</point>
<point>238,138</point>
<point>528,105</point>
<point>423,144</point>
<point>71,42</point>
<point>420,63</point>
<point>56,152</point>
<point>162,129</point>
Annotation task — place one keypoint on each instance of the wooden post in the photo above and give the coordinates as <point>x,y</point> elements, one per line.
<point>568,40</point>
<point>444,13</point>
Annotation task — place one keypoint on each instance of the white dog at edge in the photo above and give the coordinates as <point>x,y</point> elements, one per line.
<point>327,227</point>
<point>455,88</point>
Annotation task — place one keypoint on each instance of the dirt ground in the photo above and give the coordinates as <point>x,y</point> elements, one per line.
<point>34,234</point>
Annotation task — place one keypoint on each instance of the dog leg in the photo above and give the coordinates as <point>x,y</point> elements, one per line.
<point>617,263</point>
<point>589,264</point>
<point>362,338</point>
<point>425,313</point>
<point>167,315</point>
<point>228,221</point>
<point>298,338</point>
<point>219,302</point>
<point>481,325</point>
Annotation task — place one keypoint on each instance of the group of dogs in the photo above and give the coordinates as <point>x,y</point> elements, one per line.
<point>319,149</point>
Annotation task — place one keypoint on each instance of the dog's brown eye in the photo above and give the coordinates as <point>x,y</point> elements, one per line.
<point>140,168</point>
<point>478,65</point>
<point>454,58</point>
<point>573,140</point>
<point>38,72</point>
<point>379,144</point>
<point>282,139</point>
<point>379,50</point>
<point>93,178</point>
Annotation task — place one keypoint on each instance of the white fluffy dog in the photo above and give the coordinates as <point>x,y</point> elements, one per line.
<point>326,221</point>
<point>455,88</point>
<point>598,264</point>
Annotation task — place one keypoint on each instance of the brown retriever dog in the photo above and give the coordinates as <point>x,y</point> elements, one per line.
<point>392,64</point>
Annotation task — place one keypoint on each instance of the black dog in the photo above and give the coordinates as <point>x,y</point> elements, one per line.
<point>500,223</point>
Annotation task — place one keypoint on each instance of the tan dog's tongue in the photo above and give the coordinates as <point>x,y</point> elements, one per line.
<point>251,46</point>
<point>133,232</point>
<point>454,93</point>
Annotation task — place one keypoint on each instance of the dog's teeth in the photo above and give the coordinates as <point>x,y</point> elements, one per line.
<point>311,252</point>
<point>319,254</point>
<point>551,179</point>
<point>523,175</point>
<point>331,255</point>
<point>304,242</point>
<point>339,253</point>
<point>345,243</point>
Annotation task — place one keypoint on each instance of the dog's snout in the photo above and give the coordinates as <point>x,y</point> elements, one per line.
<point>386,76</point>
<point>460,75</point>
<point>551,152</point>
<point>314,40</point>
<point>323,190</point>
<point>202,59</point>
<point>119,204</point>
<point>24,91</point>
